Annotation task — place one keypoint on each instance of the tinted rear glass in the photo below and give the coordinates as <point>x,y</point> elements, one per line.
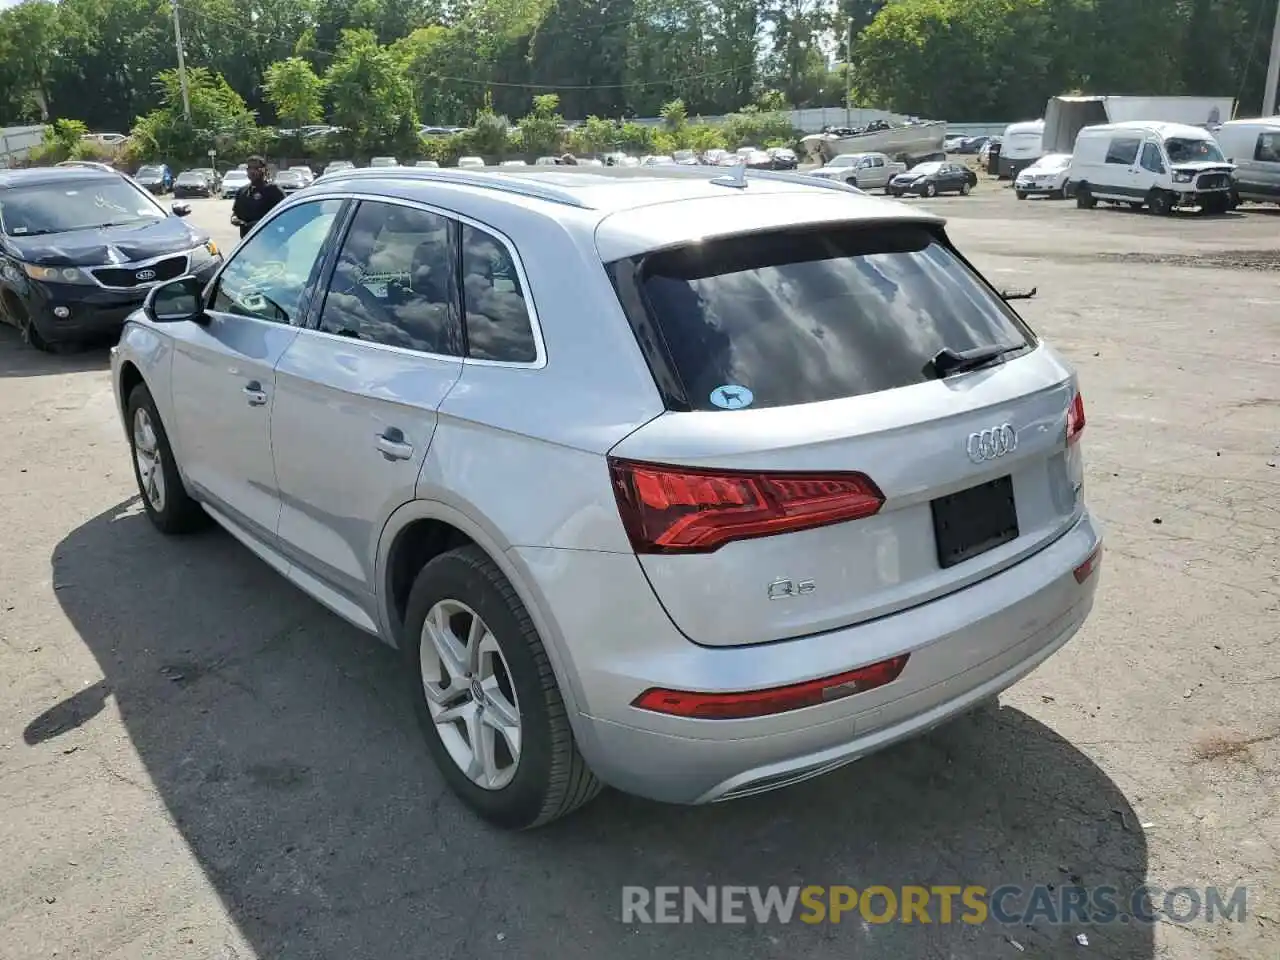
<point>803,316</point>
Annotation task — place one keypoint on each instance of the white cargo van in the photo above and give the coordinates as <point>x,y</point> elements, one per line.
<point>1161,166</point>
<point>1253,146</point>
<point>1020,147</point>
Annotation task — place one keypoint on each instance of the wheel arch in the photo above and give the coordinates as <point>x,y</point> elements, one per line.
<point>423,529</point>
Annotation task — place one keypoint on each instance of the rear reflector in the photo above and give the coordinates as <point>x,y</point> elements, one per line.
<point>667,509</point>
<point>1075,419</point>
<point>764,703</point>
<point>1086,569</point>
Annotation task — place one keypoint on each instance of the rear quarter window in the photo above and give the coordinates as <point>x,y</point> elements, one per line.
<point>805,316</point>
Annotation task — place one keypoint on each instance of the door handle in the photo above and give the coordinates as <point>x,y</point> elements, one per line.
<point>255,394</point>
<point>392,445</point>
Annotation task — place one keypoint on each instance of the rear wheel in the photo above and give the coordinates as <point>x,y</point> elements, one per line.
<point>486,696</point>
<point>964,189</point>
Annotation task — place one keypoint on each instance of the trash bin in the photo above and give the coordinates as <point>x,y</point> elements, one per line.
<point>993,159</point>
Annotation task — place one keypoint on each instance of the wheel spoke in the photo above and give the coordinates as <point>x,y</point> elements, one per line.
<point>483,767</point>
<point>501,716</point>
<point>452,654</point>
<point>463,712</point>
<point>477,634</point>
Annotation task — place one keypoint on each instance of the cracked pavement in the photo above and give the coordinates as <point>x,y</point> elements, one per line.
<point>196,761</point>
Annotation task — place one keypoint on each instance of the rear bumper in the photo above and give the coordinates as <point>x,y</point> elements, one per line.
<point>964,648</point>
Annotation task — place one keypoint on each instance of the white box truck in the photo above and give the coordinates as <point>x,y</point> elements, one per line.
<point>1065,117</point>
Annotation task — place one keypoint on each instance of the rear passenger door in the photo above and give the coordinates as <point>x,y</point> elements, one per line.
<point>357,394</point>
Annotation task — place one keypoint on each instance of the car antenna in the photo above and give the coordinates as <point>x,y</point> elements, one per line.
<point>736,177</point>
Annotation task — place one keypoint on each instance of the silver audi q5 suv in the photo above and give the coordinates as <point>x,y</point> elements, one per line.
<point>691,483</point>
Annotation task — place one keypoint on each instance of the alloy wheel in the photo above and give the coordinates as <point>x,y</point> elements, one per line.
<point>147,454</point>
<point>469,693</point>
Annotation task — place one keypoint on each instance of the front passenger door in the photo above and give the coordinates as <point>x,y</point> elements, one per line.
<point>223,377</point>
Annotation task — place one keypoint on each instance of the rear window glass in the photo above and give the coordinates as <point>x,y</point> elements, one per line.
<point>804,316</point>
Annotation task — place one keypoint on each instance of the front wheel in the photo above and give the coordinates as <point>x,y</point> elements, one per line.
<point>165,499</point>
<point>1160,203</point>
<point>1084,197</point>
<point>486,697</point>
<point>965,188</point>
<point>1020,194</point>
<point>930,190</point>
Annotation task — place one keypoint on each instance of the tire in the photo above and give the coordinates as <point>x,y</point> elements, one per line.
<point>852,181</point>
<point>549,778</point>
<point>1216,205</point>
<point>27,327</point>
<point>1136,205</point>
<point>1020,194</point>
<point>965,188</point>
<point>894,193</point>
<point>930,190</point>
<point>1159,204</point>
<point>1084,197</point>
<point>173,511</point>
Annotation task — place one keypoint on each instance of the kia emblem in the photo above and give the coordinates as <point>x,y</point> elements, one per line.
<point>144,275</point>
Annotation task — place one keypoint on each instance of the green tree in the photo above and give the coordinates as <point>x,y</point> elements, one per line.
<point>295,92</point>
<point>29,35</point>
<point>675,115</point>
<point>370,93</point>
<point>219,120</point>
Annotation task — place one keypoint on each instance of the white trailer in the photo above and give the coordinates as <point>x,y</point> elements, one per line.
<point>1065,117</point>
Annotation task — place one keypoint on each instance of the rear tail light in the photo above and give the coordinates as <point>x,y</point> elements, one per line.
<point>764,703</point>
<point>668,509</point>
<point>1075,419</point>
<point>1086,569</point>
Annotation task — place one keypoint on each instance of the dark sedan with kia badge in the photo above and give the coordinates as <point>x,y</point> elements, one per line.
<point>80,249</point>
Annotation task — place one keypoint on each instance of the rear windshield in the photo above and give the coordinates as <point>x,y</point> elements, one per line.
<point>804,316</point>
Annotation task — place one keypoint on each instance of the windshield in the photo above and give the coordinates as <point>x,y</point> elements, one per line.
<point>150,172</point>
<point>1055,161</point>
<point>1182,150</point>
<point>926,168</point>
<point>236,175</point>
<point>82,205</point>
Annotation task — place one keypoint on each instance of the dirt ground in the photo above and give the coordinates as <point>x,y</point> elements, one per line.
<point>197,761</point>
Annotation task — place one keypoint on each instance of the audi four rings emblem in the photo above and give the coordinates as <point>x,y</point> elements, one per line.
<point>992,444</point>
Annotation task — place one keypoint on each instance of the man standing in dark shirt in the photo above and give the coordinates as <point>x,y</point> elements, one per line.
<point>256,198</point>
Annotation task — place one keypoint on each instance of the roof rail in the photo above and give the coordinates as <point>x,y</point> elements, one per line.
<point>536,189</point>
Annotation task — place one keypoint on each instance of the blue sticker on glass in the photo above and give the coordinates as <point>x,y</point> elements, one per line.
<point>732,397</point>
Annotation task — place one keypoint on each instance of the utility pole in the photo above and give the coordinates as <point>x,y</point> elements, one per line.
<point>1273,70</point>
<point>182,63</point>
<point>848,75</point>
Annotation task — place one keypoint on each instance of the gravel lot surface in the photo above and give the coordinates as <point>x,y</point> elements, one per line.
<point>197,761</point>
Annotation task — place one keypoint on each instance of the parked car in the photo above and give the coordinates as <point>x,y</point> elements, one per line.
<point>712,158</point>
<point>337,166</point>
<point>232,182</point>
<point>784,158</point>
<point>290,181</point>
<point>80,249</point>
<point>384,162</point>
<point>677,584</point>
<point>657,160</point>
<point>953,144</point>
<point>155,177</point>
<point>308,175</point>
<point>932,178</point>
<point>1047,177</point>
<point>212,176</point>
<point>464,162</point>
<point>1252,147</point>
<point>1162,166</point>
<point>867,171</point>
<point>193,183</point>
<point>547,162</point>
<point>757,160</point>
<point>427,165</point>
<point>514,163</point>
<point>685,158</point>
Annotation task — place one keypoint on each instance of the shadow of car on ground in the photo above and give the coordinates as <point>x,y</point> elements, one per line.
<point>283,743</point>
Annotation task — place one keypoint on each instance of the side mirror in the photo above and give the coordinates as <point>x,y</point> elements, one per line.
<point>180,209</point>
<point>175,301</point>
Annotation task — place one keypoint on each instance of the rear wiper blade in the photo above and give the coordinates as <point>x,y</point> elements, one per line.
<point>947,361</point>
